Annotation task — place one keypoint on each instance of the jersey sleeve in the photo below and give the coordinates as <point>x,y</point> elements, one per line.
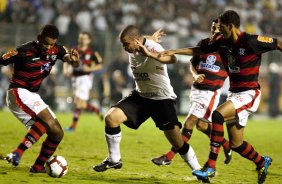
<point>154,46</point>
<point>10,57</point>
<point>208,45</point>
<point>261,44</point>
<point>196,59</point>
<point>62,52</point>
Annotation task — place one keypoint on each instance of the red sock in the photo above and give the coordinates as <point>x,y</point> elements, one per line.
<point>32,136</point>
<point>92,108</point>
<point>48,148</point>
<point>247,151</point>
<point>186,135</point>
<point>226,145</point>
<point>217,137</point>
<point>76,115</point>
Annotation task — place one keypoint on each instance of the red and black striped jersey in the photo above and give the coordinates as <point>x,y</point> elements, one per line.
<point>212,66</point>
<point>87,57</point>
<point>245,59</point>
<point>30,65</point>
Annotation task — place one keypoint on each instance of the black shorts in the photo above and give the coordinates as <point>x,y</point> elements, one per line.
<point>139,109</point>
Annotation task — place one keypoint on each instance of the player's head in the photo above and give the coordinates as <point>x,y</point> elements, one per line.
<point>228,21</point>
<point>47,37</point>
<point>214,26</point>
<point>127,38</point>
<point>84,39</point>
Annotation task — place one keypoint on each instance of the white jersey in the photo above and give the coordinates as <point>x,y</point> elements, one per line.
<point>151,77</point>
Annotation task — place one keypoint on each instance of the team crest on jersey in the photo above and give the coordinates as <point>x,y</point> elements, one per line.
<point>87,57</point>
<point>241,51</point>
<point>209,64</point>
<point>54,57</point>
<point>265,39</point>
<point>46,67</point>
<point>231,64</point>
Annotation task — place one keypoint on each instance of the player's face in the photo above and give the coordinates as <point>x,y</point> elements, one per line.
<point>46,44</point>
<point>225,29</point>
<point>214,27</point>
<point>129,44</point>
<point>83,40</point>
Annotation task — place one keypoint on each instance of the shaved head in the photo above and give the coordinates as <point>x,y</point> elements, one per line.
<point>130,32</point>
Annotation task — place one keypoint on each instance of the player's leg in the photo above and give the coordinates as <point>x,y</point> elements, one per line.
<point>225,111</point>
<point>189,124</point>
<point>54,136</point>
<point>247,151</point>
<point>132,113</point>
<point>113,118</point>
<point>76,113</point>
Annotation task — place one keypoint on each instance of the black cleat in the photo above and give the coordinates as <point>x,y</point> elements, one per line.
<point>203,180</point>
<point>262,172</point>
<point>33,170</point>
<point>162,160</point>
<point>106,164</point>
<point>228,156</point>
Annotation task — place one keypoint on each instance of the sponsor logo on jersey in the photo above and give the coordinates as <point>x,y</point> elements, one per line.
<point>209,64</point>
<point>87,56</point>
<point>46,67</point>
<point>159,68</point>
<point>265,39</point>
<point>141,76</point>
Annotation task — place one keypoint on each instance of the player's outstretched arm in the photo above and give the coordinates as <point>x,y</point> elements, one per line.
<point>169,59</point>
<point>72,58</point>
<point>191,51</point>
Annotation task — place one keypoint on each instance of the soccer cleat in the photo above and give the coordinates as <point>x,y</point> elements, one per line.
<point>228,156</point>
<point>262,172</point>
<point>13,158</point>
<point>106,164</point>
<point>205,172</point>
<point>162,160</point>
<point>33,170</point>
<point>69,129</point>
<point>203,180</point>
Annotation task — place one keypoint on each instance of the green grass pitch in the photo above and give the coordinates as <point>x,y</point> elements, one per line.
<point>86,147</point>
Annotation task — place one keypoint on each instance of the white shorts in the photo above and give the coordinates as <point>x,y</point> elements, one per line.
<point>82,86</point>
<point>245,103</point>
<point>25,105</point>
<point>203,103</point>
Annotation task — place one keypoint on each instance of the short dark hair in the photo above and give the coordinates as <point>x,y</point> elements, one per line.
<point>131,31</point>
<point>50,31</point>
<point>230,17</point>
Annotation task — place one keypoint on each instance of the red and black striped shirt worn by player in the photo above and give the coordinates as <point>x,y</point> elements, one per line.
<point>30,65</point>
<point>87,57</point>
<point>245,60</point>
<point>212,66</point>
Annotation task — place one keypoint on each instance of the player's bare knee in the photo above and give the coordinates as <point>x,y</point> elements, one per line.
<point>201,126</point>
<point>191,122</point>
<point>55,130</point>
<point>235,143</point>
<point>110,120</point>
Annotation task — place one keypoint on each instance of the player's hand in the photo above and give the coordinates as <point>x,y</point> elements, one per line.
<point>74,56</point>
<point>142,48</point>
<point>199,78</point>
<point>157,35</point>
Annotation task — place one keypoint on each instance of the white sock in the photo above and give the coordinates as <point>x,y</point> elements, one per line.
<point>191,159</point>
<point>113,142</point>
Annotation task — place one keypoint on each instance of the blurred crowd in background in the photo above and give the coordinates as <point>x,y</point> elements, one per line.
<point>184,21</point>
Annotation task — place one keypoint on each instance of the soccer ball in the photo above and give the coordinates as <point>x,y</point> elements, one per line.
<point>56,166</point>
